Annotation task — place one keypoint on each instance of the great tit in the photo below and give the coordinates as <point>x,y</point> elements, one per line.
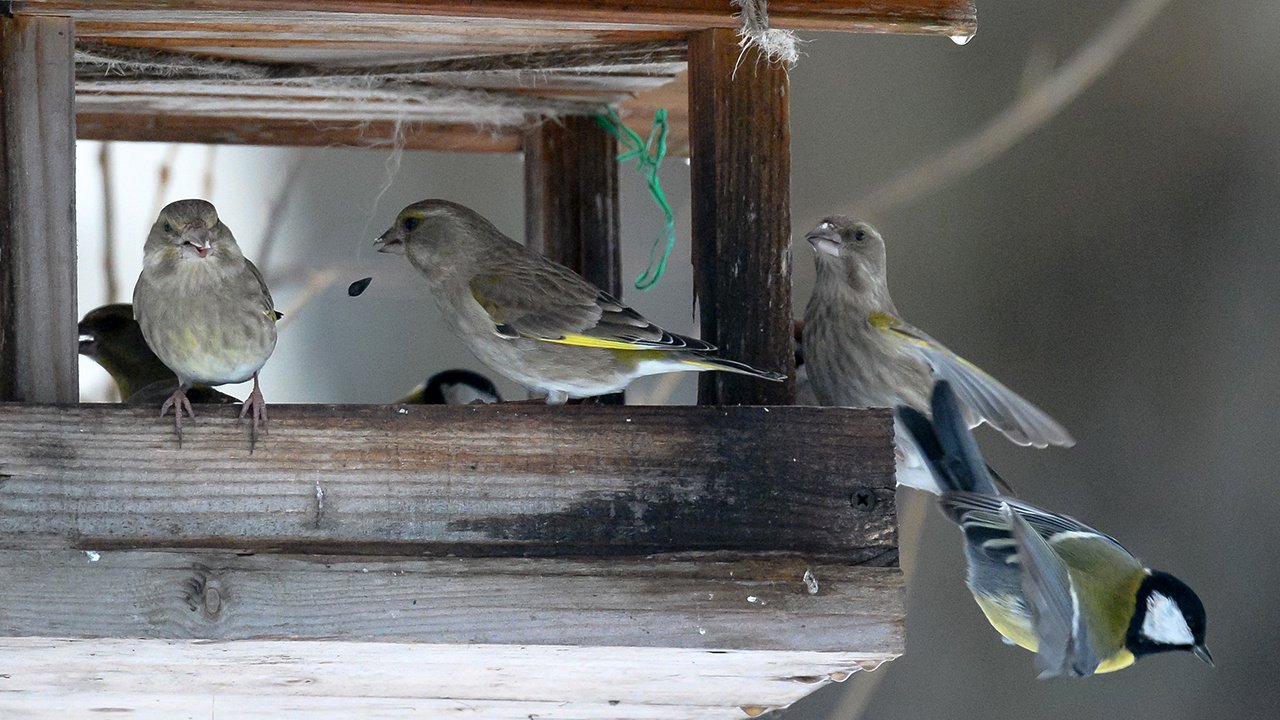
<point>453,387</point>
<point>1045,581</point>
<point>112,338</point>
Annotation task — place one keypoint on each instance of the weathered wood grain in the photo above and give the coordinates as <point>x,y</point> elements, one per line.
<point>37,211</point>
<point>330,37</point>
<point>740,144</point>
<point>571,199</point>
<point>686,601</point>
<point>504,479</point>
<point>571,203</point>
<point>269,680</point>
<point>943,17</point>
<point>248,130</point>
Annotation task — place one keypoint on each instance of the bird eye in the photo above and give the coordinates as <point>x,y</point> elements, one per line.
<point>860,235</point>
<point>168,228</point>
<point>410,223</point>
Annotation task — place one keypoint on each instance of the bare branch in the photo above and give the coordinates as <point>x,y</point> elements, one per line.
<point>1029,112</point>
<point>164,178</point>
<point>275,215</point>
<point>108,223</point>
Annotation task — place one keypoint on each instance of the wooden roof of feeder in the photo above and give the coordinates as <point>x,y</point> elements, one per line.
<point>455,75</point>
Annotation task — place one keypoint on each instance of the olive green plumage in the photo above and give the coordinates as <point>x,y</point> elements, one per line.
<point>535,321</point>
<point>112,338</point>
<point>1047,582</point>
<point>203,308</point>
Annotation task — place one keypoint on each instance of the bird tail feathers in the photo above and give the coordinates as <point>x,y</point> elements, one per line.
<point>947,444</point>
<point>703,362</point>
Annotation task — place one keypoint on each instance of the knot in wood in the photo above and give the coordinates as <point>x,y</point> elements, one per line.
<point>204,592</point>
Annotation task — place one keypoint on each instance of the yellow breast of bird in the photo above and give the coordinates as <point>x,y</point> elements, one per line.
<point>211,328</point>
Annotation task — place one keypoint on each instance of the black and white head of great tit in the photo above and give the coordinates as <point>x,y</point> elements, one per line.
<point>1169,616</point>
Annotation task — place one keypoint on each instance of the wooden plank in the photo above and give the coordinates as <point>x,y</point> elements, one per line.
<point>502,479</point>
<point>571,198</point>
<point>173,127</point>
<point>571,203</point>
<point>37,226</point>
<point>940,17</point>
<point>268,680</point>
<point>685,601</point>
<point>740,144</point>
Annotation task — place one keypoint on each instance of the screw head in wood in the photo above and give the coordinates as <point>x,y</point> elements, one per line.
<point>862,499</point>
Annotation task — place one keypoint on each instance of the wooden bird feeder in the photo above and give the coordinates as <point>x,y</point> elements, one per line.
<point>392,562</point>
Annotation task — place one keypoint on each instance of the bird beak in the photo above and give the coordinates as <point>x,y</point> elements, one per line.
<point>389,242</point>
<point>1202,652</point>
<point>824,240</point>
<point>87,343</point>
<point>197,236</point>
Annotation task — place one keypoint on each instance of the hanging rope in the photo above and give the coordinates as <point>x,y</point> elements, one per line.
<point>648,154</point>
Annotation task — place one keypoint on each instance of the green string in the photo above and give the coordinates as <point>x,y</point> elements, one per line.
<point>648,154</point>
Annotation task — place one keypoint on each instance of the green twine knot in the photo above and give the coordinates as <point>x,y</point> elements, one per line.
<point>648,154</point>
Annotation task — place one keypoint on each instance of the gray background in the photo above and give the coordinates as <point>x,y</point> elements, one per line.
<point>1118,267</point>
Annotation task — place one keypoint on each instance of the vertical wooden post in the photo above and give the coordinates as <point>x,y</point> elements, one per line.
<point>37,226</point>
<point>571,201</point>
<point>740,139</point>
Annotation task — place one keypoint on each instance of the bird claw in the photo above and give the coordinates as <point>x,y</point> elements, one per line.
<point>256,405</point>
<point>179,403</point>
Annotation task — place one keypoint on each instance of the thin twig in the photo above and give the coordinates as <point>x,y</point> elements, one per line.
<point>206,180</point>
<point>1029,112</point>
<point>275,215</point>
<point>320,280</point>
<point>108,222</point>
<point>165,178</point>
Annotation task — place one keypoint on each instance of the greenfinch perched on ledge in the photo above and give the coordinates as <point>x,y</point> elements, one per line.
<point>112,338</point>
<point>859,352</point>
<point>535,321</point>
<point>204,309</point>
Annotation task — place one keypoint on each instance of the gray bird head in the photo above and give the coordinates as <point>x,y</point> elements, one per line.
<point>433,233</point>
<point>850,247</point>
<point>190,230</point>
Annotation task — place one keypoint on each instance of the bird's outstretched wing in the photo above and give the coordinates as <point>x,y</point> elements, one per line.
<point>984,398</point>
<point>1063,648</point>
<point>547,302</point>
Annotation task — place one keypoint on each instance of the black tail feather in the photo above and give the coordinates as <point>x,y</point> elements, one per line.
<point>948,445</point>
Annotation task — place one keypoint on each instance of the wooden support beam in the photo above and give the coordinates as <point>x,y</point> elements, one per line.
<point>270,679</point>
<point>485,480</point>
<point>571,202</point>
<point>571,198</point>
<point>740,142</point>
<point>37,225</point>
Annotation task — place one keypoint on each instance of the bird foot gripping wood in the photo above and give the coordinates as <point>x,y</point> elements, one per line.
<point>179,402</point>
<point>258,406</point>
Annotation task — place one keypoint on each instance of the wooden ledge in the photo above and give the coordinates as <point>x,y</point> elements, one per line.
<point>481,480</point>
<point>267,680</point>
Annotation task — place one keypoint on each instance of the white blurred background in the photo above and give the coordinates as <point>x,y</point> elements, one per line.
<point>1118,267</point>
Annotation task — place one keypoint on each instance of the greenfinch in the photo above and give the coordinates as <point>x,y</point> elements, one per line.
<point>532,320</point>
<point>859,352</point>
<point>112,338</point>
<point>204,308</point>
